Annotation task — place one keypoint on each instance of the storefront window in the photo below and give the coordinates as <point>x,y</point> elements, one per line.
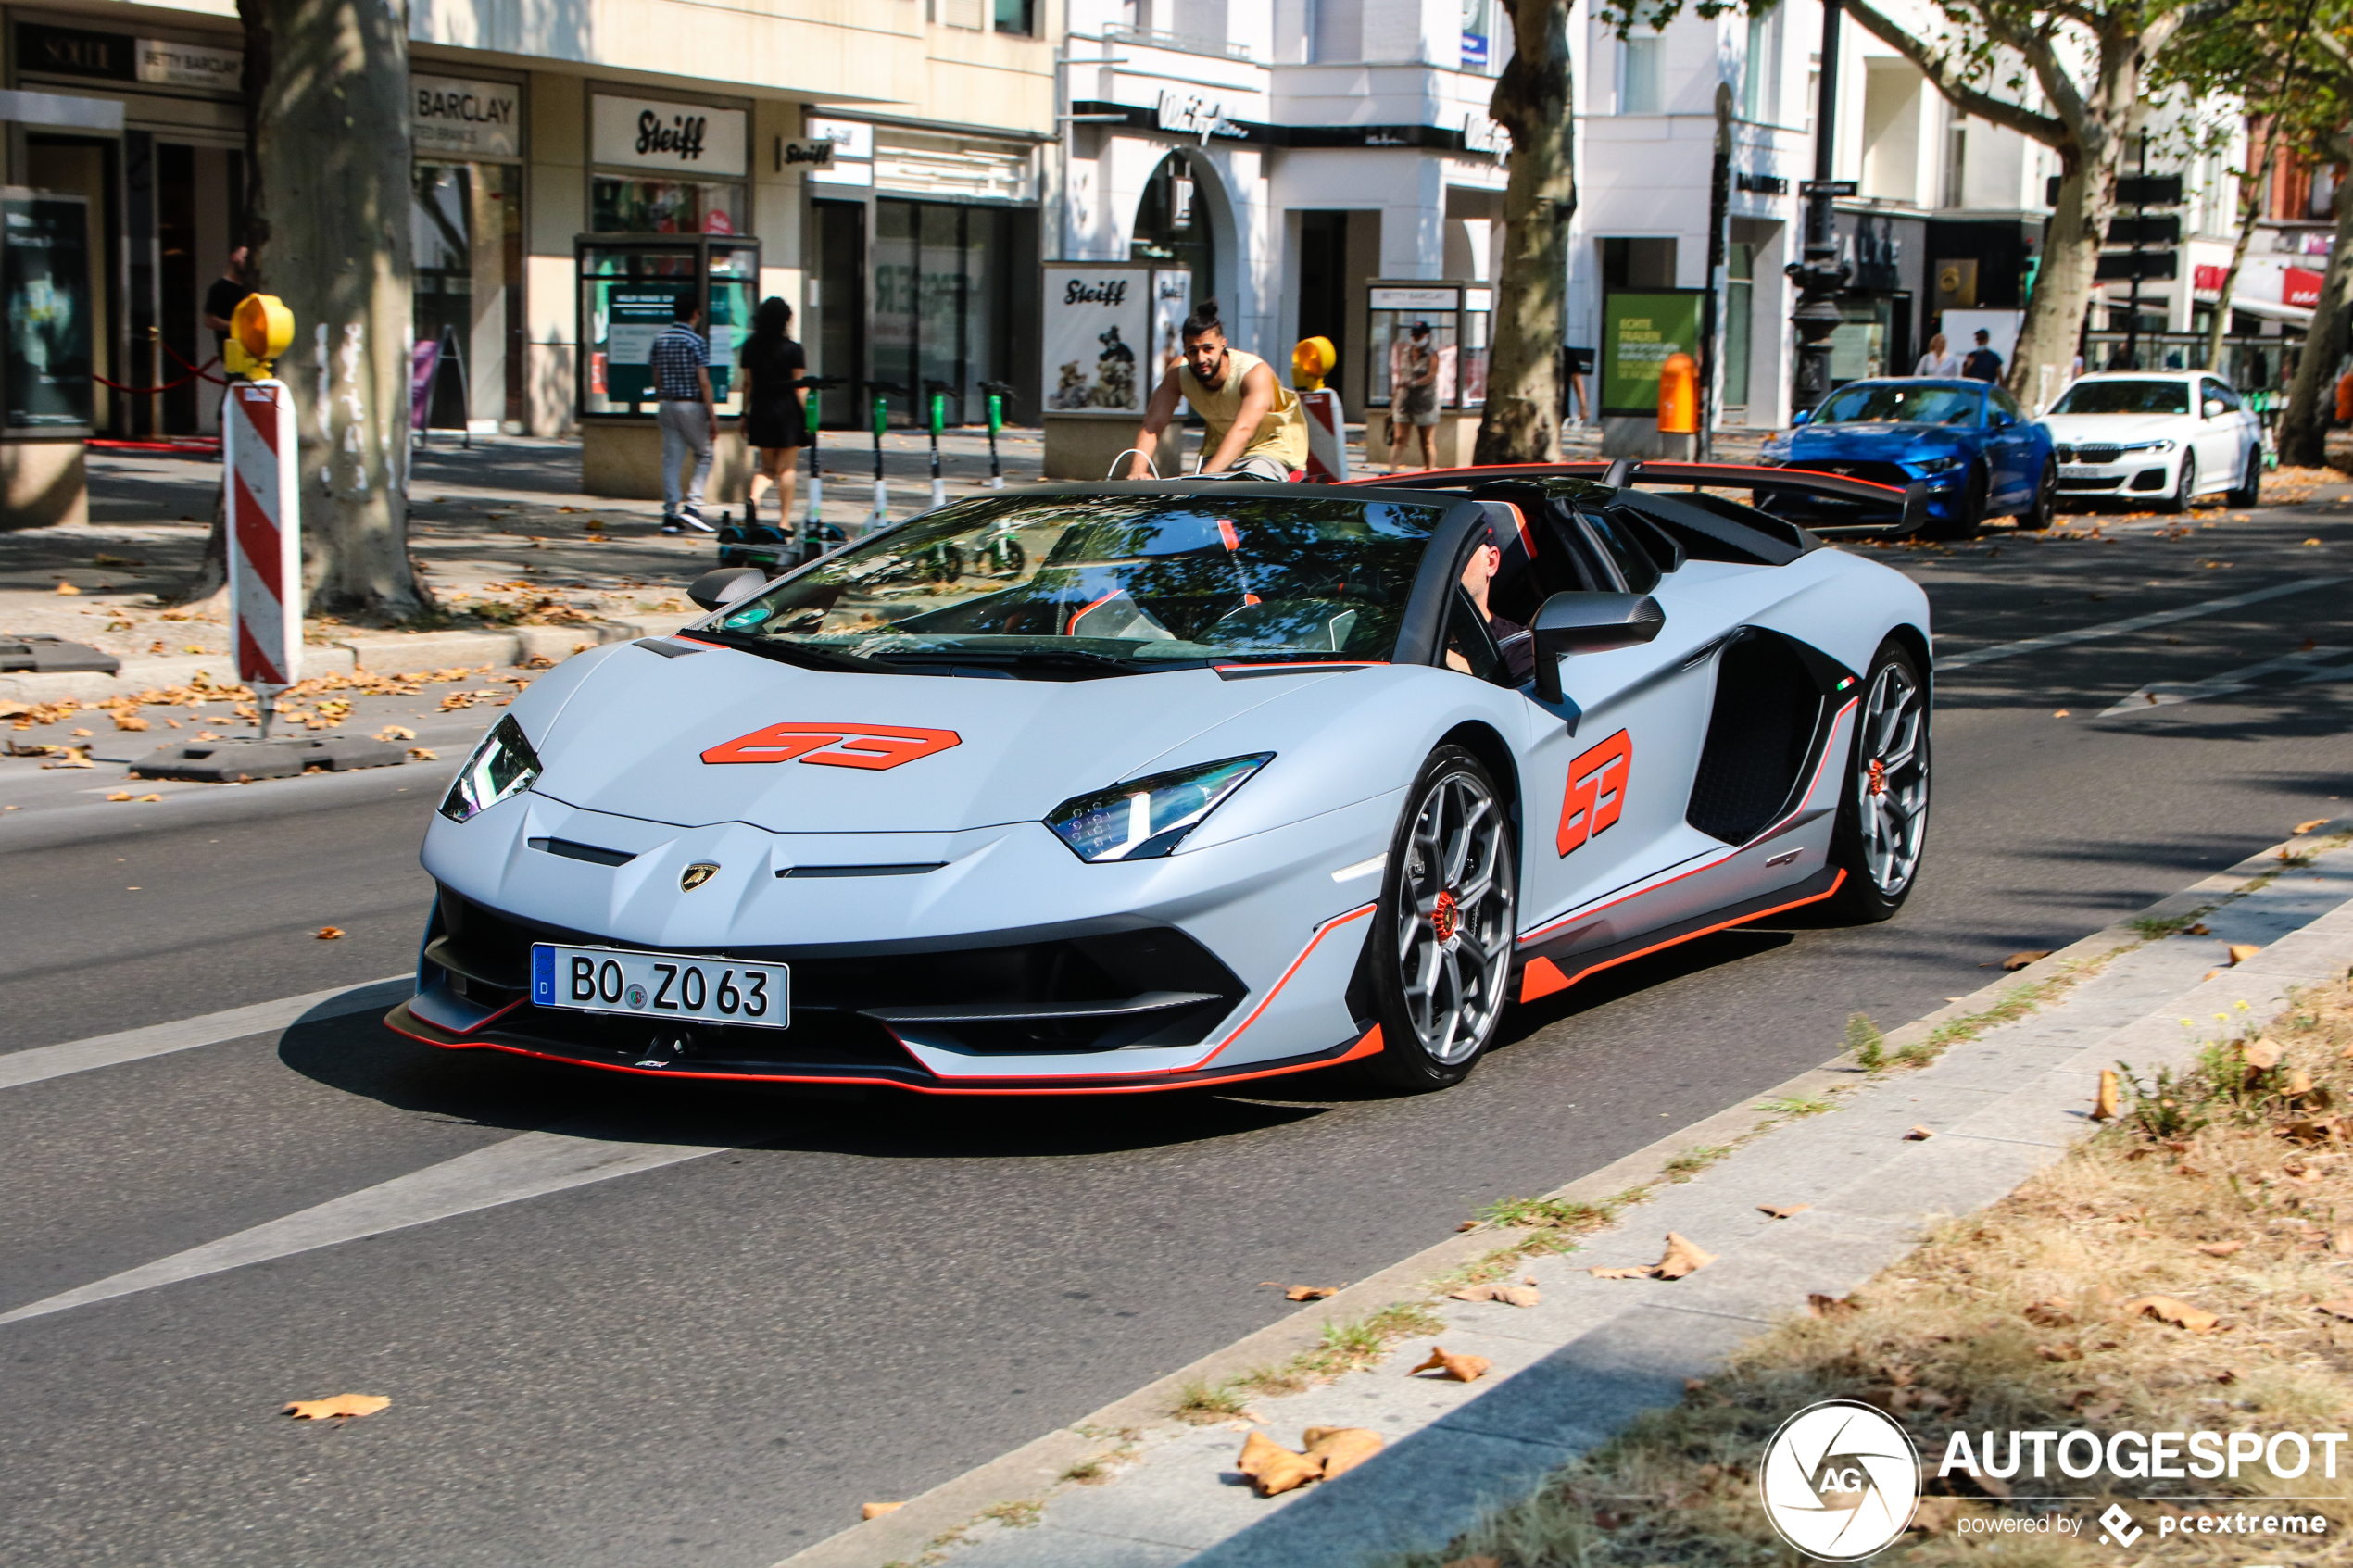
<point>1172,225</point>
<point>942,301</point>
<point>466,226</point>
<point>629,296</point>
<point>623,206</point>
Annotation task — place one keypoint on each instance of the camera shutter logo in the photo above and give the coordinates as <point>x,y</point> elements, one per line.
<point>1840,1480</point>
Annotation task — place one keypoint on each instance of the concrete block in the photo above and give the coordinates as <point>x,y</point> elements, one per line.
<point>1055,1546</point>
<point>433,650</point>
<point>1944,1175</point>
<point>622,458</point>
<point>1084,445</point>
<point>43,483</point>
<point>560,643</point>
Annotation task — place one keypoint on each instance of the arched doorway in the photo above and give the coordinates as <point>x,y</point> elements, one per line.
<point>1173,223</point>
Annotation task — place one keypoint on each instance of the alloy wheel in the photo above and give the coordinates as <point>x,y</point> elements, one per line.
<point>1453,918</point>
<point>1891,784</point>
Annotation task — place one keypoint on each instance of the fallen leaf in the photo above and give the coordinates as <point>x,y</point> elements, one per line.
<point>2300,1084</point>
<point>1919,1134</point>
<point>2053,1313</point>
<point>1273,1468</point>
<point>1310,1292</point>
<point>1823,1306</point>
<point>68,589</point>
<point>149,799</point>
<point>119,795</point>
<point>2104,1105</point>
<point>395,732</point>
<point>2060,714</point>
<point>1783,1210</point>
<point>2197,930</point>
<point>1340,1449</point>
<point>422,754</point>
<point>2302,828</point>
<point>2226,1377</point>
<point>1510,1295</point>
<point>2342,1308</point>
<point>128,721</point>
<point>1640,1271</point>
<point>2242,952</point>
<point>342,1406</point>
<point>2341,1243</point>
<point>876,1510</point>
<point>83,734</point>
<point>1462,1369</point>
<point>2261,1055</point>
<point>1467,1225</point>
<point>330,932</point>
<point>2020,960</point>
<point>2167,1309</point>
<point>1683,1257</point>
<point>2221,1248</point>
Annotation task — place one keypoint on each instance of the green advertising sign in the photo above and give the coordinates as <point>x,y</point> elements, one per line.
<point>1639,331</point>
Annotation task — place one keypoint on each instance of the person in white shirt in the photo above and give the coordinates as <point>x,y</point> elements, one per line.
<point>1938,360</point>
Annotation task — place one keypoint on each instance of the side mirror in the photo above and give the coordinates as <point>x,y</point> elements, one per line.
<point>2215,408</point>
<point>717,590</point>
<point>2003,419</point>
<point>1589,623</point>
<point>1802,416</point>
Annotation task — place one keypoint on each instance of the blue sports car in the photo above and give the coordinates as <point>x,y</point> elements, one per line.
<point>1966,442</point>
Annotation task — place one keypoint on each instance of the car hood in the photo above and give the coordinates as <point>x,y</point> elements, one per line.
<point>970,752</point>
<point>1888,442</point>
<point>2114,428</point>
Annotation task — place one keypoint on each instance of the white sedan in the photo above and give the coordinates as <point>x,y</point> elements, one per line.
<point>2171,435</point>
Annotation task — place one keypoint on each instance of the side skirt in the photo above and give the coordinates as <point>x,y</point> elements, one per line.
<point>1540,975</point>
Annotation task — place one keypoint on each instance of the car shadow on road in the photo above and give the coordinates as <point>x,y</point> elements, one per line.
<point>355,1055</point>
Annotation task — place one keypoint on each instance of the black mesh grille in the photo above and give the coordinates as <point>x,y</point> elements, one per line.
<point>1767,707</point>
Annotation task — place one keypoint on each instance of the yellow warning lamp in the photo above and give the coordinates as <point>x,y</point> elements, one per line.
<point>1312,361</point>
<point>260,329</point>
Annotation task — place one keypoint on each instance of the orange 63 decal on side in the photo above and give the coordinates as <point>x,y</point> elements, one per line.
<point>835,746</point>
<point>1596,791</point>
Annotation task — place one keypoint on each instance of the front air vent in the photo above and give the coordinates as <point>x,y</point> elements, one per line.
<point>591,853</point>
<point>909,869</point>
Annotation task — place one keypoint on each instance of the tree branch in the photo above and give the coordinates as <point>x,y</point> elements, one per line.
<point>1946,78</point>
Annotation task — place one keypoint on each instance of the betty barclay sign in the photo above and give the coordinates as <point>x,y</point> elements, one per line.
<point>468,118</point>
<point>684,138</point>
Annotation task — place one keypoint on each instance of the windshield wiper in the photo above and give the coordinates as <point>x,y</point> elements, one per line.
<point>805,655</point>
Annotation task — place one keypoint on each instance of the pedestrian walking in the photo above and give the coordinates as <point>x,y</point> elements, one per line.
<point>776,406</point>
<point>1417,397</point>
<point>687,413</point>
<point>228,291</point>
<point>1983,363</point>
<point>1939,361</point>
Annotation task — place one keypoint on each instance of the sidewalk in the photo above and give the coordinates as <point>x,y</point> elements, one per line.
<point>1133,1488</point>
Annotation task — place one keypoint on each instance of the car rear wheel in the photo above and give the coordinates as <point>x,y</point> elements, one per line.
<point>1883,820</point>
<point>2044,508</point>
<point>1442,941</point>
<point>2184,485</point>
<point>1969,510</point>
<point>2249,492</point>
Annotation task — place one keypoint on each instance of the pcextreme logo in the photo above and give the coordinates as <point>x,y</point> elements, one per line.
<point>875,746</point>
<point>1596,791</point>
<point>1840,1480</point>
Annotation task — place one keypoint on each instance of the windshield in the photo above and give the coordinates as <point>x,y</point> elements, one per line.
<point>2125,397</point>
<point>1899,403</point>
<point>1120,583</point>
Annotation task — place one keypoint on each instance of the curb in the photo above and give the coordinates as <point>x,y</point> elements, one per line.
<point>1039,1466</point>
<point>387,654</point>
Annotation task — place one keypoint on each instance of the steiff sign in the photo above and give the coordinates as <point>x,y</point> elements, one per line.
<point>684,139</point>
<point>470,119</point>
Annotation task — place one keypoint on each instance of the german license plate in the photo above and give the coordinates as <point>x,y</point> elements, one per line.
<point>660,985</point>
<point>2080,471</point>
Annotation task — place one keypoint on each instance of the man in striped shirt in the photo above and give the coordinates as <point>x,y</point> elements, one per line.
<point>687,413</point>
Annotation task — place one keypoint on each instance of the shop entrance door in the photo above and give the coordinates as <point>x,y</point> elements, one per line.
<point>835,334</point>
<point>945,306</point>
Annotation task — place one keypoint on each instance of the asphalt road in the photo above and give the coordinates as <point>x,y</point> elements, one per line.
<point>716,1357</point>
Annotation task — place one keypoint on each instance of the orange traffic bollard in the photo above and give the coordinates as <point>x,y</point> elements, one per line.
<point>1678,396</point>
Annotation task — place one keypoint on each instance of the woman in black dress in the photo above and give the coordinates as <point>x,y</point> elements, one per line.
<point>776,417</point>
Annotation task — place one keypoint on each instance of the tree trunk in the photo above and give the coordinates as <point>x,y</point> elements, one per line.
<point>1532,101</point>
<point>2258,158</point>
<point>329,211</point>
<point>2303,428</point>
<point>2044,359</point>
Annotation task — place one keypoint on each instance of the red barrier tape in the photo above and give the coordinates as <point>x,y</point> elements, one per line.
<point>193,371</point>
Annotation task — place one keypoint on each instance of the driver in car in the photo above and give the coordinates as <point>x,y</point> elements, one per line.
<point>1256,429</point>
<point>1511,639</point>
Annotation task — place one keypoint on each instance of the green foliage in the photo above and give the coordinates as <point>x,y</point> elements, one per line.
<point>1865,1042</point>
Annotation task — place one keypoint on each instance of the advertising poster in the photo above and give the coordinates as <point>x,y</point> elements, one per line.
<point>1099,333</point>
<point>45,284</point>
<point>1172,302</point>
<point>1639,331</point>
<point>633,316</point>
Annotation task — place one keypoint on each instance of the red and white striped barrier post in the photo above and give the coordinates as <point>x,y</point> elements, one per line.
<point>1326,436</point>
<point>257,451</point>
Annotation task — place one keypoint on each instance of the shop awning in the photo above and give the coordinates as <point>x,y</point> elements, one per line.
<point>2272,310</point>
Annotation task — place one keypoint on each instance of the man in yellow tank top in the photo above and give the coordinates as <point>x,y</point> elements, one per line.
<point>1255,424</point>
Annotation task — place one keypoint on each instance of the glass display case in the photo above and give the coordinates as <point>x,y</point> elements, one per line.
<point>1460,320</point>
<point>629,289</point>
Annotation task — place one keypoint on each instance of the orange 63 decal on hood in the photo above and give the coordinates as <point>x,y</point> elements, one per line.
<point>836,745</point>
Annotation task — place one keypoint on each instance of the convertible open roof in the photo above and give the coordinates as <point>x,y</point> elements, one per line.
<point>1622,472</point>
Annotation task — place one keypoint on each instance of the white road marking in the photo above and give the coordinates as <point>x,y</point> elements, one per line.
<point>528,1166</point>
<point>160,1039</point>
<point>2164,694</point>
<point>2133,623</point>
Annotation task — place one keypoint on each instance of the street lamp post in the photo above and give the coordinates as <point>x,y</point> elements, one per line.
<point>1820,278</point>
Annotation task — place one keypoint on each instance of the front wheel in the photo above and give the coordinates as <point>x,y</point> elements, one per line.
<point>1441,947</point>
<point>1883,818</point>
<point>2184,485</point>
<point>1969,508</point>
<point>2249,489</point>
<point>2040,511</point>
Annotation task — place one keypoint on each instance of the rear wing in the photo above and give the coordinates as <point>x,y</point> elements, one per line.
<point>1856,507</point>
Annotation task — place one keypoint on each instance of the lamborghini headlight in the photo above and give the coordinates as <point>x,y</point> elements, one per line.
<point>503,765</point>
<point>1145,818</point>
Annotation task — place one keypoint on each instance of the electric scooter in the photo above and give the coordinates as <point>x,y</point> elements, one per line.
<point>880,516</point>
<point>817,536</point>
<point>998,392</point>
<point>938,393</point>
